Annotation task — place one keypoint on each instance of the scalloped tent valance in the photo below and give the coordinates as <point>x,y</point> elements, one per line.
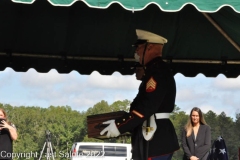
<point>44,35</point>
<point>136,5</point>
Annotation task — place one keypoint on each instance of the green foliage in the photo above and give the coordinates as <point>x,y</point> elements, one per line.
<point>179,119</point>
<point>68,126</point>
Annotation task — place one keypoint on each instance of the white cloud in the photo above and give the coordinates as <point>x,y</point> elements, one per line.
<point>6,77</point>
<point>194,94</point>
<point>184,95</point>
<point>206,107</point>
<point>83,91</point>
<point>32,78</point>
<point>115,81</point>
<point>73,89</point>
<point>227,84</point>
<point>217,94</point>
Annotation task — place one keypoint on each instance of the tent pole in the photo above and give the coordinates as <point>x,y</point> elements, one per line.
<point>221,31</point>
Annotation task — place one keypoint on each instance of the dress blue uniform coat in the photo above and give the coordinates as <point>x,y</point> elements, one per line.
<point>156,95</point>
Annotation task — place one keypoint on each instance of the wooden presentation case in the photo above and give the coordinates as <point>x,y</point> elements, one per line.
<point>95,125</point>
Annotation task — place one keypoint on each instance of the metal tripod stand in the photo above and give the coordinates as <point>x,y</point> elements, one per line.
<point>49,153</point>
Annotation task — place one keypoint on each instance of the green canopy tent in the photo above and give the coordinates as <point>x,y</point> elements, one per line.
<point>96,35</point>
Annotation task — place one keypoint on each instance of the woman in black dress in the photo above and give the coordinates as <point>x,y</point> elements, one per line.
<point>8,133</point>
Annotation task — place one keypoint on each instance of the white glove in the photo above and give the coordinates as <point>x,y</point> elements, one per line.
<point>111,129</point>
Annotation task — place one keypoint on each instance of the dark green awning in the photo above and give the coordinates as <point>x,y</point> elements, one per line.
<point>86,36</point>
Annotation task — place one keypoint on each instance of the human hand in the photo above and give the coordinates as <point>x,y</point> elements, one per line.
<point>194,158</point>
<point>111,129</point>
<point>4,124</point>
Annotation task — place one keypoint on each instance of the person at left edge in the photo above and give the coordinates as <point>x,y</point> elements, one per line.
<point>8,133</point>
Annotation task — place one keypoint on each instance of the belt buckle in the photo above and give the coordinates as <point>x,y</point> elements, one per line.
<point>148,129</point>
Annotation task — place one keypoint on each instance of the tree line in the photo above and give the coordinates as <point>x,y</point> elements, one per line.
<point>67,126</point>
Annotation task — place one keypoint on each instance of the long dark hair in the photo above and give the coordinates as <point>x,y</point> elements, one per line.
<point>5,114</point>
<point>189,125</point>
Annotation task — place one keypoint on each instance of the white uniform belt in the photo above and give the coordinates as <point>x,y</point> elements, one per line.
<point>162,115</point>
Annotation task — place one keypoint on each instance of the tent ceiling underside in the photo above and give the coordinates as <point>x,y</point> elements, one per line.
<point>87,39</point>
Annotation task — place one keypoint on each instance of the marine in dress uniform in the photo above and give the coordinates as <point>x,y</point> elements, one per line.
<point>154,102</point>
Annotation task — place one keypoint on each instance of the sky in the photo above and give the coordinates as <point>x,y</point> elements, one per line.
<point>83,91</point>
